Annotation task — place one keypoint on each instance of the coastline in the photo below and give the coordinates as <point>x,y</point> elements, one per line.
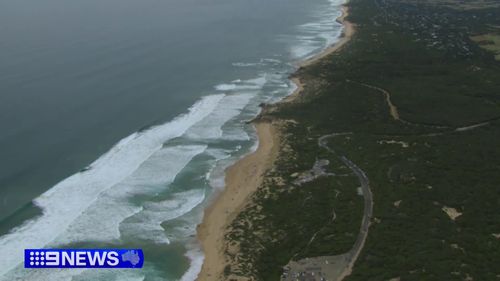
<point>242,180</point>
<point>245,176</point>
<point>347,33</point>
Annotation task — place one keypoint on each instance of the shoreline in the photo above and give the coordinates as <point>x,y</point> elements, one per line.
<point>347,33</point>
<point>242,180</point>
<point>245,176</point>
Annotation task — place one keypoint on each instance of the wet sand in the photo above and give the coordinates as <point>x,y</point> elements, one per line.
<point>242,180</point>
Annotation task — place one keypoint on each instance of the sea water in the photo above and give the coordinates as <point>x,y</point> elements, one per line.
<point>118,118</point>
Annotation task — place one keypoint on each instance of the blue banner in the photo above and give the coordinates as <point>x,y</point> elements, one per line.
<point>83,258</point>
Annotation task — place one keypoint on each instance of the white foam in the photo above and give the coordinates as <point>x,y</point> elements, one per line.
<point>239,85</point>
<point>273,61</point>
<point>100,222</point>
<point>259,82</point>
<point>218,154</point>
<point>303,51</point>
<point>67,200</point>
<point>129,168</point>
<point>236,86</point>
<point>262,62</point>
<point>246,64</point>
<point>225,87</point>
<point>228,108</point>
<point>337,3</point>
<point>146,224</point>
<point>235,134</point>
<point>320,33</point>
<point>196,257</point>
<point>216,176</point>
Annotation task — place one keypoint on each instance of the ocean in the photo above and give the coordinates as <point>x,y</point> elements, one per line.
<point>118,118</point>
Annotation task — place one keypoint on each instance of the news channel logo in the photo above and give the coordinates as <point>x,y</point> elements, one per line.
<point>83,258</point>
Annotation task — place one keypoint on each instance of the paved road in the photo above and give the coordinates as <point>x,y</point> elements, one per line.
<point>353,254</point>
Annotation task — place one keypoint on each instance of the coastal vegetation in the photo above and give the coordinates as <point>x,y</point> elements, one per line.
<point>490,42</point>
<point>416,96</point>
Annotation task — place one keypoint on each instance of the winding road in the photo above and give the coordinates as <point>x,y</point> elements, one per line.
<point>353,254</point>
<point>393,110</point>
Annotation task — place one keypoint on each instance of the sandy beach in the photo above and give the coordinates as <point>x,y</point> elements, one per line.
<point>242,179</point>
<point>245,177</point>
<point>347,33</point>
<point>344,38</point>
